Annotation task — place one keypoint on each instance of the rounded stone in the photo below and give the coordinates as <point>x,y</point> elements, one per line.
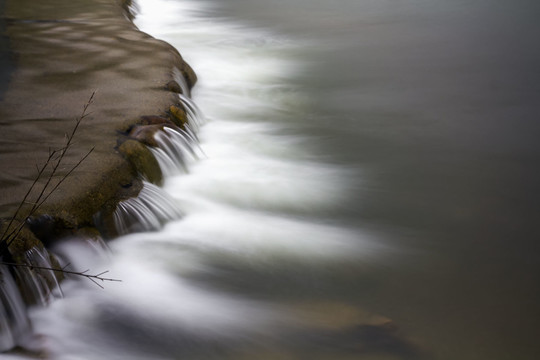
<point>142,160</point>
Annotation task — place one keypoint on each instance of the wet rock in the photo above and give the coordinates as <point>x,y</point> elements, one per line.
<point>129,9</point>
<point>104,219</point>
<point>188,74</point>
<point>178,115</point>
<point>142,159</point>
<point>174,87</point>
<point>90,233</point>
<point>24,241</point>
<point>155,120</point>
<point>145,133</point>
<point>44,227</point>
<point>349,329</point>
<point>335,315</point>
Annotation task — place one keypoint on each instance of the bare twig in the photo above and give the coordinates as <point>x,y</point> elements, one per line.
<point>92,278</point>
<point>23,201</point>
<point>65,177</point>
<point>63,152</point>
<point>54,159</point>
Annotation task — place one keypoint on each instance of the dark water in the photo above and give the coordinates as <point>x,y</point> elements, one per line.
<point>438,103</point>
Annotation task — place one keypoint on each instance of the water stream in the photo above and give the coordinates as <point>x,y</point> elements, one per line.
<point>347,188</point>
<point>217,263</point>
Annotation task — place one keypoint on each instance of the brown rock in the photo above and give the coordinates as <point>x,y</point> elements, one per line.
<point>335,315</point>
<point>154,120</point>
<point>142,160</point>
<point>178,115</point>
<point>174,87</point>
<point>145,133</point>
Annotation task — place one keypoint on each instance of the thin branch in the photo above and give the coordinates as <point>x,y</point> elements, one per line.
<point>26,197</point>
<point>11,237</point>
<point>55,156</point>
<point>54,160</point>
<point>93,278</point>
<point>65,177</point>
<point>63,153</point>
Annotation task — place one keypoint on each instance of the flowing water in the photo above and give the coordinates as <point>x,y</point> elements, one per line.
<point>362,185</point>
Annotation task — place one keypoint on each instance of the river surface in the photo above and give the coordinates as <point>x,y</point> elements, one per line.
<point>366,187</point>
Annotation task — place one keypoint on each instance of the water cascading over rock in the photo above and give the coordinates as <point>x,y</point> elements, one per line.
<point>31,283</point>
<point>175,149</point>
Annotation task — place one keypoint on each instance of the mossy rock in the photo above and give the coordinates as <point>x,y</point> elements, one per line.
<point>189,74</point>
<point>178,115</point>
<point>73,209</point>
<point>174,87</point>
<point>145,133</point>
<point>89,233</point>
<point>24,241</point>
<point>142,160</point>
<point>104,218</point>
<point>155,120</point>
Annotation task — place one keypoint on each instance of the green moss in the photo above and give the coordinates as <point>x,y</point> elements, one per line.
<point>89,233</point>
<point>142,159</point>
<point>178,115</point>
<point>155,120</point>
<point>24,241</point>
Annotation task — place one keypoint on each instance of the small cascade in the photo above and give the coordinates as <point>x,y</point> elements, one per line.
<point>195,115</point>
<point>176,149</point>
<point>98,245</point>
<point>38,286</point>
<point>25,286</point>
<point>13,320</point>
<point>181,81</point>
<point>147,212</point>
<point>48,279</point>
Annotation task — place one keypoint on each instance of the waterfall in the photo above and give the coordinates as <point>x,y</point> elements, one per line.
<point>153,207</point>
<point>13,319</point>
<point>195,115</point>
<point>197,256</point>
<point>146,212</point>
<point>35,287</point>
<point>46,282</point>
<point>176,149</point>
